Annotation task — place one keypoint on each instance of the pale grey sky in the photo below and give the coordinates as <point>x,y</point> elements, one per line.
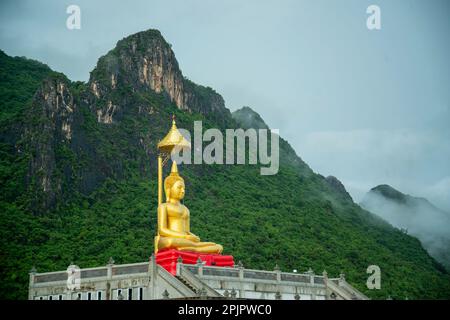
<point>369,107</point>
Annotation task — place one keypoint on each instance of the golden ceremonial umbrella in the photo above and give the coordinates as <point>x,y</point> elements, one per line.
<point>173,140</point>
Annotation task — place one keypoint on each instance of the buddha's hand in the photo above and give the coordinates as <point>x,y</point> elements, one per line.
<point>192,237</point>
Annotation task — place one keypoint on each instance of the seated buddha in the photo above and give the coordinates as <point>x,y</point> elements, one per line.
<point>173,220</point>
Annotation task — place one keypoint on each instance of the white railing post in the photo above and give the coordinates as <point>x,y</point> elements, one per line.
<point>31,284</point>
<point>200,267</point>
<point>278,272</point>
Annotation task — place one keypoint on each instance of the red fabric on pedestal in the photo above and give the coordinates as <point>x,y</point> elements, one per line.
<point>168,259</point>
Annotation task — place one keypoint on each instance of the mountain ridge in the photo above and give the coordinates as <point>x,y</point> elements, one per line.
<point>79,184</point>
<point>390,192</point>
<point>415,215</point>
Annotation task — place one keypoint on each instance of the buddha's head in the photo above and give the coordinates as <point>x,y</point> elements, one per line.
<point>174,184</point>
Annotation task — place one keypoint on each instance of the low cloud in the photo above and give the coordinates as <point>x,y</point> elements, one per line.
<point>416,162</point>
<point>413,161</point>
<point>439,193</point>
<point>421,219</point>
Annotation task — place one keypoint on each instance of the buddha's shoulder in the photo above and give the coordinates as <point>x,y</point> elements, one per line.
<point>171,205</point>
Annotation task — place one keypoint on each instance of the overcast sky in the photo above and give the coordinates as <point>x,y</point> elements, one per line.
<point>369,107</point>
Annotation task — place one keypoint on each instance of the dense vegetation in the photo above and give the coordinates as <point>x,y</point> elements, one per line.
<point>19,80</point>
<point>294,219</point>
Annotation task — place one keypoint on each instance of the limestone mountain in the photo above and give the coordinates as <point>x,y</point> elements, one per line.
<point>145,62</point>
<point>414,215</point>
<point>78,181</point>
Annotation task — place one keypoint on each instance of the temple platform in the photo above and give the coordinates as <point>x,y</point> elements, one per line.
<point>149,280</point>
<point>168,259</point>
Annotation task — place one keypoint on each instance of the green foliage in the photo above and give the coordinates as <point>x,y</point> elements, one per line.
<point>19,80</point>
<point>293,219</point>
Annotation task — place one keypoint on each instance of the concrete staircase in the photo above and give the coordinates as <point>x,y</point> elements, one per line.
<point>186,283</point>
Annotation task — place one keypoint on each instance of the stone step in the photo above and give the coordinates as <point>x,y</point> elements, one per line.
<point>186,283</point>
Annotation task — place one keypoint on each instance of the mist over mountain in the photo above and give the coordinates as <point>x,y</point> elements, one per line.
<point>414,215</point>
<point>78,181</point>
<point>248,118</point>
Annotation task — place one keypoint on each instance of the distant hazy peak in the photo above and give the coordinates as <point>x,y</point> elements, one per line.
<point>246,118</point>
<point>416,215</point>
<point>389,192</point>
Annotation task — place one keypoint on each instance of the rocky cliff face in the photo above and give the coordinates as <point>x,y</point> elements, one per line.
<point>142,61</point>
<point>145,61</point>
<point>49,125</point>
<point>131,82</point>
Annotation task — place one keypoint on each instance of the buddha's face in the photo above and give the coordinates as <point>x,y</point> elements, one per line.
<point>177,190</point>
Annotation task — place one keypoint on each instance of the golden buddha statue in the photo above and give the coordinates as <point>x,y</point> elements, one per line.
<point>173,217</point>
<point>173,220</point>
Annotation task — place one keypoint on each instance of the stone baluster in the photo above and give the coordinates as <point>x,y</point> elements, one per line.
<point>32,274</point>
<point>311,281</point>
<point>109,275</point>
<point>278,295</point>
<point>233,294</point>
<point>278,272</point>
<point>241,270</point>
<point>200,267</point>
<point>179,263</point>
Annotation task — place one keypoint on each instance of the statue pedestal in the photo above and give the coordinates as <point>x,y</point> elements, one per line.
<point>168,259</point>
